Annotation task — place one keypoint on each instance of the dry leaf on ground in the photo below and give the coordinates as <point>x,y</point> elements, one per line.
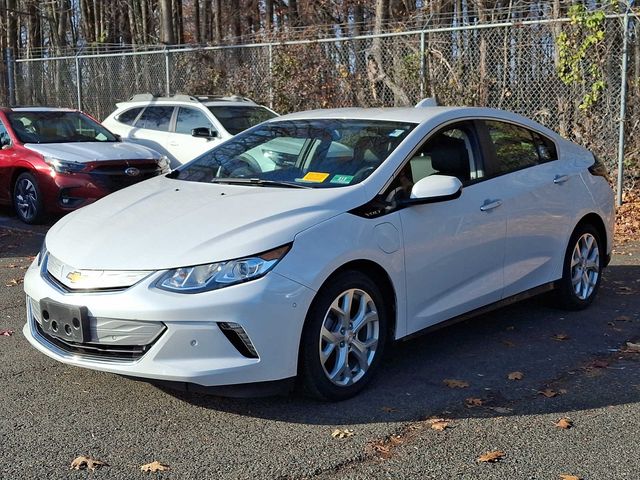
<point>342,433</point>
<point>569,477</point>
<point>501,409</point>
<point>515,376</point>
<point>491,457</point>
<point>453,383</point>
<point>598,363</point>
<point>13,282</point>
<point>632,347</point>
<point>82,462</point>
<point>623,318</point>
<point>564,423</point>
<point>382,450</point>
<point>389,409</point>
<point>154,466</point>
<point>439,425</point>
<point>6,333</point>
<point>560,337</point>
<point>473,402</point>
<point>549,393</point>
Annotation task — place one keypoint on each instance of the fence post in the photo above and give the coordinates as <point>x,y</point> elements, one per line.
<point>167,73</point>
<point>623,107</point>
<point>78,83</point>
<point>422,65</point>
<point>270,76</point>
<point>11,86</point>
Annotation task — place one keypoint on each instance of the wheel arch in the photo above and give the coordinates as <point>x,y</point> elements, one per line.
<point>377,273</point>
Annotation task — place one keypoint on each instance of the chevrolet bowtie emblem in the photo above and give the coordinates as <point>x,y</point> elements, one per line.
<point>74,277</point>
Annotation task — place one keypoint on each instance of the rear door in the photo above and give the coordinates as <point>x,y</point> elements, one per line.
<point>152,127</point>
<point>454,250</point>
<point>537,191</point>
<point>181,144</point>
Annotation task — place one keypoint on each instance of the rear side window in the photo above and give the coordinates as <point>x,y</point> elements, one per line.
<point>189,118</point>
<point>155,118</point>
<point>546,148</point>
<point>129,116</point>
<point>4,136</point>
<point>514,146</point>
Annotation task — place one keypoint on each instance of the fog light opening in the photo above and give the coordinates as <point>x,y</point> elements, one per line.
<point>238,338</point>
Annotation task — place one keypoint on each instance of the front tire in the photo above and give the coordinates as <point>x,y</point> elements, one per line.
<point>344,337</point>
<point>27,200</point>
<point>582,270</point>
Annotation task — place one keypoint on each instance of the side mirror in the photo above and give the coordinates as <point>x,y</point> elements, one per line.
<point>435,188</point>
<point>204,132</point>
<point>118,137</point>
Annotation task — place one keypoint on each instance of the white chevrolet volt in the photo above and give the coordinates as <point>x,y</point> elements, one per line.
<point>301,247</point>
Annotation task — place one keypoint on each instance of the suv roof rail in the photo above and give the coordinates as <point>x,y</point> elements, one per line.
<point>149,97</point>
<point>427,102</point>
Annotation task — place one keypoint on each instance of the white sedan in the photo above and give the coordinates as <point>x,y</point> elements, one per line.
<point>302,247</point>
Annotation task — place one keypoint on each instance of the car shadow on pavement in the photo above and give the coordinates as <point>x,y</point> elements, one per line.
<point>568,360</point>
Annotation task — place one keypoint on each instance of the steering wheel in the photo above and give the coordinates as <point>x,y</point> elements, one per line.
<point>363,173</point>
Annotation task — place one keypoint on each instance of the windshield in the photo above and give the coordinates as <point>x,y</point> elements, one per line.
<point>239,118</point>
<point>57,127</point>
<point>313,153</point>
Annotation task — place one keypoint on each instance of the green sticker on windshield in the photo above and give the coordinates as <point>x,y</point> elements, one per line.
<point>341,179</point>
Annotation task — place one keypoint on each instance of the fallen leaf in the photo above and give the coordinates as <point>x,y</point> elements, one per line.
<point>382,450</point>
<point>452,383</point>
<point>632,347</point>
<point>342,433</point>
<point>547,392</point>
<point>623,318</point>
<point>6,333</point>
<point>598,364</point>
<point>508,343</point>
<point>564,423</point>
<point>560,337</point>
<point>154,466</point>
<point>13,282</point>
<point>569,477</point>
<point>515,376</point>
<point>491,457</point>
<point>82,462</point>
<point>473,402</point>
<point>439,426</point>
<point>389,409</point>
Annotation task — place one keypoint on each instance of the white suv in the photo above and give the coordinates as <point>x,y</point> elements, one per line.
<point>183,126</point>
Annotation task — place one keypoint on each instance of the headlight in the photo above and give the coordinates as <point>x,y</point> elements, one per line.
<point>42,253</point>
<point>164,164</point>
<point>202,278</point>
<point>64,166</point>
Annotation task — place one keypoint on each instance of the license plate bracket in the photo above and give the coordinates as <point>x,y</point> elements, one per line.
<point>66,322</point>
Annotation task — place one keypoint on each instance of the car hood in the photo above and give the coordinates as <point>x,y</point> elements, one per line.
<point>92,151</point>
<point>165,223</point>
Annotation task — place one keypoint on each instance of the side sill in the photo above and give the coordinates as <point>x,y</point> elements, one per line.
<point>547,287</point>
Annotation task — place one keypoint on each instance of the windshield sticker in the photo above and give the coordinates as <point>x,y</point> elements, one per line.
<point>316,177</point>
<point>397,132</point>
<point>341,179</point>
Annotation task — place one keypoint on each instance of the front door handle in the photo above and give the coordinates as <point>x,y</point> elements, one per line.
<point>490,205</point>
<point>174,144</point>
<point>560,179</point>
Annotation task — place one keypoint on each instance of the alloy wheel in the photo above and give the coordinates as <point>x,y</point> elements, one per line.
<point>349,337</point>
<point>585,266</point>
<point>26,198</point>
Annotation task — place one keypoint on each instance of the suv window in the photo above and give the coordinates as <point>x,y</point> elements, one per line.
<point>190,118</point>
<point>128,117</point>
<point>235,119</point>
<point>155,118</point>
<point>514,146</point>
<point>4,136</point>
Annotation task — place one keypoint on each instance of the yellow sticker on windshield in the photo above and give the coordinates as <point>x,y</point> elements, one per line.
<point>315,177</point>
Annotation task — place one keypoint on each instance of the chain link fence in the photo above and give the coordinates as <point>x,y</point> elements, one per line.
<point>512,66</point>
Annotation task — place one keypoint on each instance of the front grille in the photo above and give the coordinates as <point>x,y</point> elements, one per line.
<point>112,177</point>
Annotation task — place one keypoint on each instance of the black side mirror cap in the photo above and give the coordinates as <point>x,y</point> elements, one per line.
<point>204,132</point>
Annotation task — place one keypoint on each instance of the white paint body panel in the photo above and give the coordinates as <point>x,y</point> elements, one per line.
<point>442,259</point>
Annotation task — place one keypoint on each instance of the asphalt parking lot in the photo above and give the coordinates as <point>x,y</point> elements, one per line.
<point>51,413</point>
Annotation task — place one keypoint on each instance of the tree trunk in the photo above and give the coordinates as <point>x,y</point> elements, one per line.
<point>166,25</point>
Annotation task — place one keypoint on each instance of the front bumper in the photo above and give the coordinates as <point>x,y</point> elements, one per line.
<point>192,347</point>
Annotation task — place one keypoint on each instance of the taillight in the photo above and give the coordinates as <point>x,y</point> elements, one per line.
<point>599,169</point>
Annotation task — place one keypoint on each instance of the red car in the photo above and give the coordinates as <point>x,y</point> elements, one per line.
<point>56,160</point>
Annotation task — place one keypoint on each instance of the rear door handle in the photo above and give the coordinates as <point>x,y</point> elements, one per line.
<point>490,205</point>
<point>174,144</point>
<point>560,179</point>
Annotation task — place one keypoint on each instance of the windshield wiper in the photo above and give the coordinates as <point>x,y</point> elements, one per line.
<point>258,182</point>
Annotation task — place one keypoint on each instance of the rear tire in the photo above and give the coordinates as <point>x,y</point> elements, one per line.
<point>344,337</point>
<point>27,200</point>
<point>582,269</point>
